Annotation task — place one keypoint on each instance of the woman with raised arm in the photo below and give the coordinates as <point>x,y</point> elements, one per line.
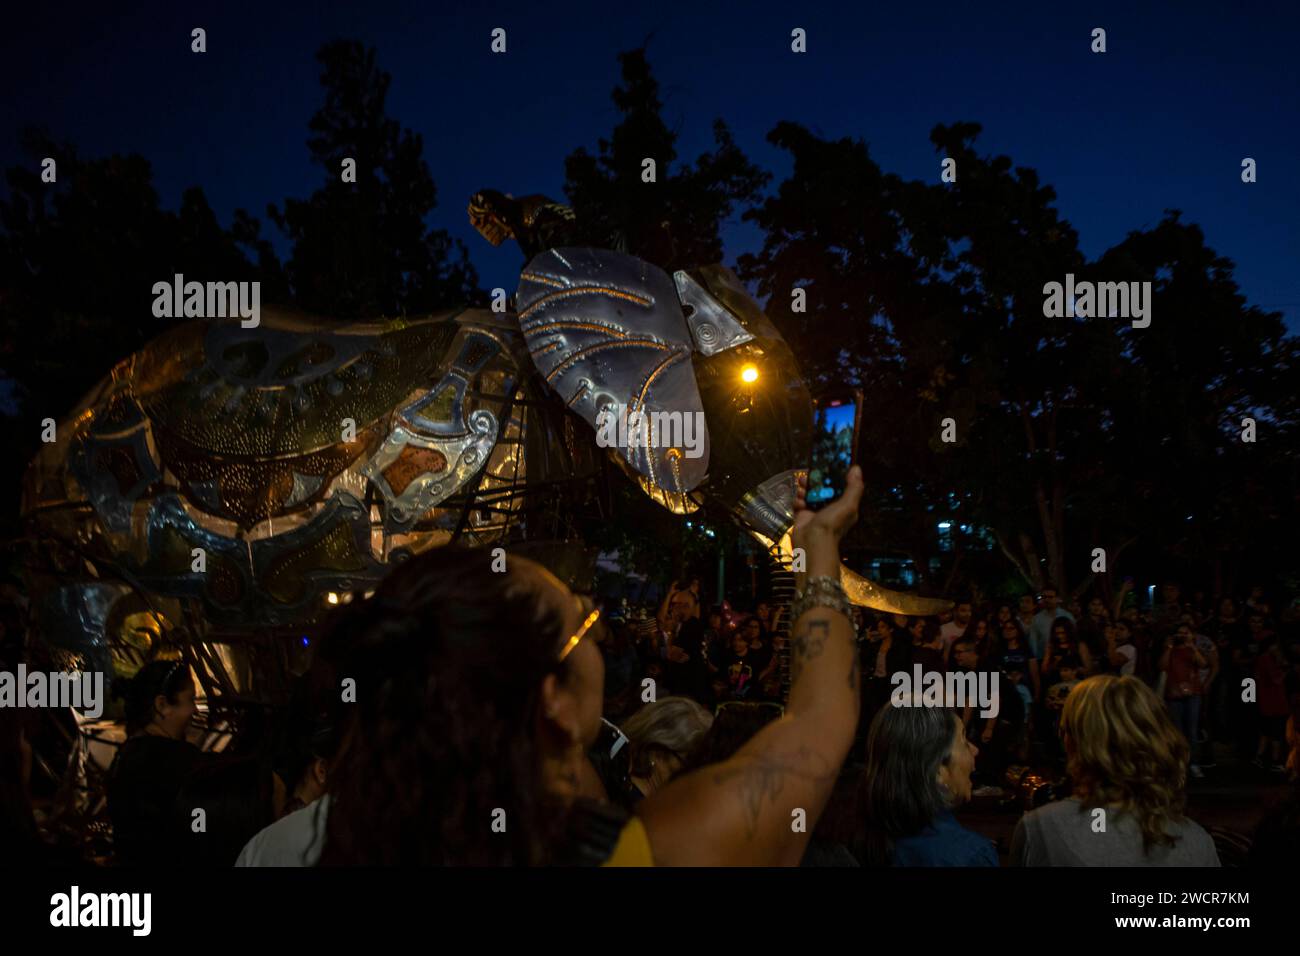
<point>477,695</point>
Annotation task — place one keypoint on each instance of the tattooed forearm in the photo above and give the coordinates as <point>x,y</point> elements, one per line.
<point>760,779</point>
<point>808,643</point>
<point>756,783</point>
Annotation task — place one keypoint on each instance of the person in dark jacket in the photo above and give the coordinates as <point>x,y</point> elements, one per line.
<point>919,764</point>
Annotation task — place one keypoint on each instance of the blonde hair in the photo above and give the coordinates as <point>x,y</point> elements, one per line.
<point>672,724</point>
<point>1123,751</point>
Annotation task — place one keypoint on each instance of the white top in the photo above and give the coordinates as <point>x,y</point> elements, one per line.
<point>1129,652</point>
<point>950,632</point>
<point>294,840</point>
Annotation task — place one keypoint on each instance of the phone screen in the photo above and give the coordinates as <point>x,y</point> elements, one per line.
<point>835,432</point>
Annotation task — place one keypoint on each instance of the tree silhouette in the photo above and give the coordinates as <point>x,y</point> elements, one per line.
<point>675,221</point>
<point>1072,434</point>
<point>363,248</point>
<point>78,260</point>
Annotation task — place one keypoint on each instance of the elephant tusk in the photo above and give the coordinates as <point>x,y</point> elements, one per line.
<point>863,592</point>
<point>866,593</point>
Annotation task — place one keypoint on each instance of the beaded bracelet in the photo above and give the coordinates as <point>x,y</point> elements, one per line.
<point>820,591</point>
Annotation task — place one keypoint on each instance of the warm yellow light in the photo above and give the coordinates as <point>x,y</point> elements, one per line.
<point>749,375</point>
<point>332,597</point>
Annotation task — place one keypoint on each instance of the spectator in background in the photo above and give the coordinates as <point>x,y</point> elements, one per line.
<point>1063,644</point>
<point>739,669</point>
<point>153,764</point>
<point>1168,614</point>
<point>622,667</point>
<point>1227,630</point>
<point>1243,717</point>
<point>955,628</point>
<point>1025,614</point>
<point>1182,662</point>
<point>980,634</point>
<point>1020,681</point>
<point>1012,654</point>
<point>927,644</point>
<point>1040,631</point>
<point>761,648</point>
<point>1126,759</point>
<point>296,838</point>
<point>1145,669</point>
<point>1121,599</point>
<point>1227,623</point>
<point>681,641</point>
<point>1270,682</point>
<point>307,767</point>
<point>873,665</point>
<point>1209,673</point>
<point>1092,628</point>
<point>998,735</point>
<point>661,737</point>
<point>919,765</point>
<point>1068,674</point>
<point>1120,652</point>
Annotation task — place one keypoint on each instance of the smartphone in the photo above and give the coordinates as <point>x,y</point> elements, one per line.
<point>837,423</point>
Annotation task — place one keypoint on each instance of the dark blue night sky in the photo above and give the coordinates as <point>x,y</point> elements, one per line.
<point>1162,120</point>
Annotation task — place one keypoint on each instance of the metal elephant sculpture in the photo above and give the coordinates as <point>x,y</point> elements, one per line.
<point>221,487</point>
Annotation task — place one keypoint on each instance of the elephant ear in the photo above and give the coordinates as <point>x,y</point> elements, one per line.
<point>608,333</point>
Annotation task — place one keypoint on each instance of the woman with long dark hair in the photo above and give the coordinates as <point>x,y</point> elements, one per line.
<point>919,764</point>
<point>478,693</point>
<point>1061,646</point>
<point>1011,654</point>
<point>154,762</point>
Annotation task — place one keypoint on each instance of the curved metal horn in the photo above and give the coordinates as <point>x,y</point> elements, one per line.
<point>863,592</point>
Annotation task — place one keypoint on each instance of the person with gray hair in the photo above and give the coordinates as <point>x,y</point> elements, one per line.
<point>919,765</point>
<point>660,737</point>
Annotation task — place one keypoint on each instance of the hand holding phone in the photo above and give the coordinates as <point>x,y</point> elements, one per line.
<point>837,425</point>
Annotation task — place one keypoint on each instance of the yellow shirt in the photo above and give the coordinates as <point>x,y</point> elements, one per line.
<point>633,846</point>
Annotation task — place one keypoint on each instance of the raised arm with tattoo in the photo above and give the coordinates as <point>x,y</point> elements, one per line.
<point>744,811</point>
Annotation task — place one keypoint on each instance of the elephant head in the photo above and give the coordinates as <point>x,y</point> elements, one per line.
<point>700,393</point>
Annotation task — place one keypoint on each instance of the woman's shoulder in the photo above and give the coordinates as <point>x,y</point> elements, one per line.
<point>1057,814</point>
<point>1195,842</point>
<point>945,842</point>
<point>602,834</point>
<point>632,847</point>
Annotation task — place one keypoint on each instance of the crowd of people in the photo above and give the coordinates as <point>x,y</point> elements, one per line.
<point>503,719</point>
<point>1228,671</point>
